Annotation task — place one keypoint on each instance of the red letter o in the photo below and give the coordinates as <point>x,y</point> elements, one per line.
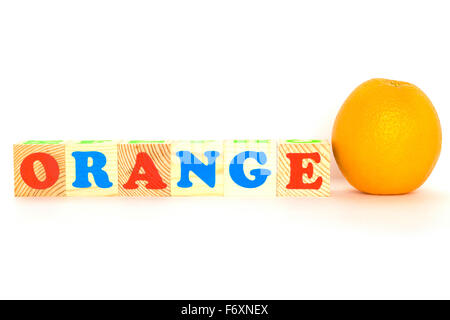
<point>50,166</point>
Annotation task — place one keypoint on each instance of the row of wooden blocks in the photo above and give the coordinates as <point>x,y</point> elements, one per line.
<point>172,168</point>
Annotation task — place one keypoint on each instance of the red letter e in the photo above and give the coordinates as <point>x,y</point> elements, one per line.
<point>297,171</point>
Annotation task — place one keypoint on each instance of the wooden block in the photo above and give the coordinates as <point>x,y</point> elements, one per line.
<point>303,168</point>
<point>194,155</point>
<point>250,168</point>
<point>98,155</point>
<point>39,169</point>
<point>144,168</point>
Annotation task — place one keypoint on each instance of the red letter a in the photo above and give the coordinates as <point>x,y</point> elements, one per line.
<point>151,174</point>
<point>297,171</point>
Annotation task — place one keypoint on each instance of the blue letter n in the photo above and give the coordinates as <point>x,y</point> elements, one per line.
<point>206,172</point>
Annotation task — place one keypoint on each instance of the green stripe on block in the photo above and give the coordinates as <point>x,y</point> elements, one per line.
<point>303,141</point>
<point>248,141</point>
<point>43,141</point>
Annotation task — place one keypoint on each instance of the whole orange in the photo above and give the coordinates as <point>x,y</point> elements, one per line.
<point>386,137</point>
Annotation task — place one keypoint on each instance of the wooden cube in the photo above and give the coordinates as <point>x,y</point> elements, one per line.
<point>91,168</point>
<point>250,168</point>
<point>197,168</point>
<point>303,168</point>
<point>39,169</point>
<point>144,168</point>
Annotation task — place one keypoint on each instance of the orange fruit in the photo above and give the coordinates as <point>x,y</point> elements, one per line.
<point>386,137</point>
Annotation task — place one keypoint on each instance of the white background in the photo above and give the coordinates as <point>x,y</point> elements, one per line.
<point>217,70</point>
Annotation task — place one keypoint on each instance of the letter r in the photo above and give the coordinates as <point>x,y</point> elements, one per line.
<point>82,169</point>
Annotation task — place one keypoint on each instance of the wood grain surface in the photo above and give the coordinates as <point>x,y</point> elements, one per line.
<point>21,151</point>
<point>321,169</point>
<point>160,154</point>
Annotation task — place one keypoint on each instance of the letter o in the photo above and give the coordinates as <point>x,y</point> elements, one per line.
<point>50,166</point>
